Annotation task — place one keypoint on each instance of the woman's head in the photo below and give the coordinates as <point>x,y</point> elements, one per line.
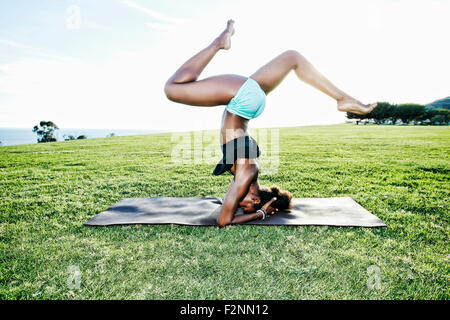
<point>258,196</point>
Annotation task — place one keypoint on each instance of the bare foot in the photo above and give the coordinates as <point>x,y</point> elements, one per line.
<point>348,104</point>
<point>224,40</point>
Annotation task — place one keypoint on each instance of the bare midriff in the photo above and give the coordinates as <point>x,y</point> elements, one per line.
<point>233,126</point>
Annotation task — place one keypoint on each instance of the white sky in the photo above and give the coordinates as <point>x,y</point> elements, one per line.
<point>110,72</point>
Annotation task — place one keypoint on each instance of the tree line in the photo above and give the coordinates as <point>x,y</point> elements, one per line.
<point>386,113</point>
<point>46,132</point>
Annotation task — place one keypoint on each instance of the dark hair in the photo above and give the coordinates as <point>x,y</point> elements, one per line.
<point>283,201</point>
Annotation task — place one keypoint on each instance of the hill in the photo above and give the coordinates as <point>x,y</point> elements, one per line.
<point>440,104</point>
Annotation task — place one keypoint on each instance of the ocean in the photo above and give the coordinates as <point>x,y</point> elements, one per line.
<point>16,136</point>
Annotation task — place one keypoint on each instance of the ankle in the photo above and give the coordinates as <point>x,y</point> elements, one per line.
<point>215,45</point>
<point>342,97</point>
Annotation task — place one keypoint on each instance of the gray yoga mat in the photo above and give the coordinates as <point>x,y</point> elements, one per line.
<point>341,211</point>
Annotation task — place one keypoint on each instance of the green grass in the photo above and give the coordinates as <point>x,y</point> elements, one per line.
<point>401,174</point>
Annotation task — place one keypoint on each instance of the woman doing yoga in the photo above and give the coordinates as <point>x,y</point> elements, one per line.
<point>244,98</point>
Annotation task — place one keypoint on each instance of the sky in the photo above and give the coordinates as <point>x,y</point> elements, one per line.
<point>103,63</point>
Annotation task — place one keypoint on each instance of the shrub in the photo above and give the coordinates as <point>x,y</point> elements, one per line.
<point>68,137</point>
<point>71,137</point>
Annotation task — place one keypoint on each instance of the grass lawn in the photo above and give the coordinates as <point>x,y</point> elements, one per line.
<point>399,173</point>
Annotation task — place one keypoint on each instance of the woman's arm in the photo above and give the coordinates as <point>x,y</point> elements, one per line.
<point>238,188</point>
<point>236,191</point>
<point>256,215</point>
<point>243,218</point>
<point>229,207</point>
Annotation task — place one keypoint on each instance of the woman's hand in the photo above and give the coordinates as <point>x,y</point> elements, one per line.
<point>267,207</point>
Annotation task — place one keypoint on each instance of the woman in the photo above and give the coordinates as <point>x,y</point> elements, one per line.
<point>245,100</point>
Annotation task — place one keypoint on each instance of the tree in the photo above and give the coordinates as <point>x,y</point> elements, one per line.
<point>112,134</point>
<point>443,113</point>
<point>439,119</point>
<point>406,112</point>
<point>357,116</point>
<point>409,111</point>
<point>383,111</point>
<point>45,131</point>
<point>82,137</point>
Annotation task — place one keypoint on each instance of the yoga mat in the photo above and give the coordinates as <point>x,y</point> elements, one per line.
<point>340,211</point>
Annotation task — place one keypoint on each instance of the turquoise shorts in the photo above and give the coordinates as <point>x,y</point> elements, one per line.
<point>249,102</point>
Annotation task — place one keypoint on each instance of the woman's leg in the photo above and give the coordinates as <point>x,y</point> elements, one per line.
<point>271,74</point>
<point>182,87</point>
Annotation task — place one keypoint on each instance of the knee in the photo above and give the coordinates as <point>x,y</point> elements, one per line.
<point>292,53</point>
<point>294,56</point>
